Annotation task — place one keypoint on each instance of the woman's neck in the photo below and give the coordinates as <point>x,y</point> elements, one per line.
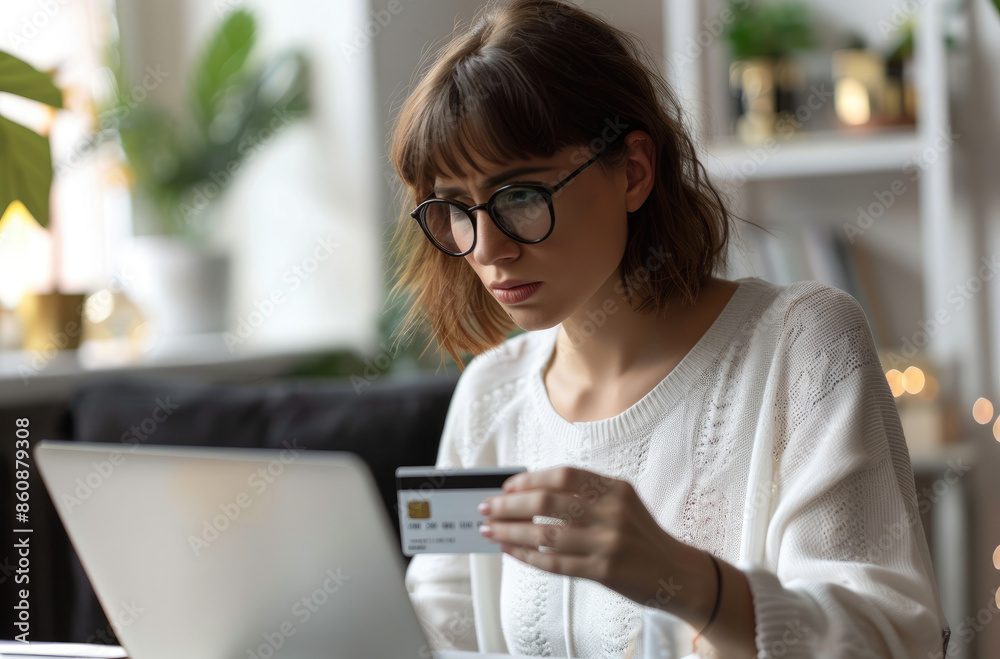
<point>606,340</point>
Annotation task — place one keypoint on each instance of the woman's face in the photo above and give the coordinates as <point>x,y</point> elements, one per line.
<point>577,265</point>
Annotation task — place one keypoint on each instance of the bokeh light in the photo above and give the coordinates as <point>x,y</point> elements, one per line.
<point>895,379</point>
<point>982,411</point>
<point>913,380</point>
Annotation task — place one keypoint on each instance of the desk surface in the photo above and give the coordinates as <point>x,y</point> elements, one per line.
<point>85,651</point>
<point>455,654</point>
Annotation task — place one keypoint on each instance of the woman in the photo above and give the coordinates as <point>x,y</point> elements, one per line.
<point>708,457</point>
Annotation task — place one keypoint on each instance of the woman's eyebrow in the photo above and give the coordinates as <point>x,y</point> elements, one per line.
<point>494,180</point>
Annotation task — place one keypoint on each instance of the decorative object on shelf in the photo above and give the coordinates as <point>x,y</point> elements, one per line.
<point>859,84</point>
<point>929,418</point>
<point>114,330</point>
<point>875,90</point>
<point>762,74</point>
<point>51,321</point>
<point>179,176</point>
<point>11,330</point>
<point>899,102</point>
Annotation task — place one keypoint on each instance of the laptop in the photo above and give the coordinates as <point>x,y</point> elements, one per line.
<point>228,553</point>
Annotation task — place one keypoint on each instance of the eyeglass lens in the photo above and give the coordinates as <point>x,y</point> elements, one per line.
<point>520,212</point>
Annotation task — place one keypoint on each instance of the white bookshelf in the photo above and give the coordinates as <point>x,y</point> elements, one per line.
<point>840,153</point>
<point>824,154</point>
<point>848,160</point>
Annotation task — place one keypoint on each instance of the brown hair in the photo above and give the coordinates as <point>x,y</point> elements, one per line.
<point>528,78</point>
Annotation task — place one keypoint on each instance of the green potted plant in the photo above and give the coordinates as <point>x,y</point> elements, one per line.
<point>762,74</point>
<point>182,167</point>
<point>25,159</point>
<point>25,183</point>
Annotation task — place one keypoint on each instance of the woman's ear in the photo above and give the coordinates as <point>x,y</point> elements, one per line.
<point>640,168</point>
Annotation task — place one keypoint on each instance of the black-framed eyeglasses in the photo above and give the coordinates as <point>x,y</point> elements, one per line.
<point>522,211</point>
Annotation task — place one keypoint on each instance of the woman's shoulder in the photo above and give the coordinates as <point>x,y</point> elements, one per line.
<point>806,305</point>
<point>509,363</point>
<point>811,322</point>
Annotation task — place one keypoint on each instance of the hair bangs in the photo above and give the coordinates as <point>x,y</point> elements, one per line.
<point>488,111</point>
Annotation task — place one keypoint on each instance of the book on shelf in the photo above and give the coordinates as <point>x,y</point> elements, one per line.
<point>819,252</point>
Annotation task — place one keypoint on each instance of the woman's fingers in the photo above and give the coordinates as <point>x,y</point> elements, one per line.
<point>526,504</point>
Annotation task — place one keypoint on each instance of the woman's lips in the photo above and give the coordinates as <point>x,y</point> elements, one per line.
<point>517,293</point>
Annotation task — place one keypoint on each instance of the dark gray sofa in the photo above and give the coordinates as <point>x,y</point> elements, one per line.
<point>388,423</point>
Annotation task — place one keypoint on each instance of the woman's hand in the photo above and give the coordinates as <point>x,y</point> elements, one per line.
<point>605,534</point>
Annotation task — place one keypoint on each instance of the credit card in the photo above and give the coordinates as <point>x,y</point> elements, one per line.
<point>438,508</point>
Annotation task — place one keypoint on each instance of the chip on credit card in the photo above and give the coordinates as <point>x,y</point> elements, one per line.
<point>438,508</point>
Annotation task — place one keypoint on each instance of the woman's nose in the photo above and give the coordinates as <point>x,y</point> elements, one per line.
<point>492,244</point>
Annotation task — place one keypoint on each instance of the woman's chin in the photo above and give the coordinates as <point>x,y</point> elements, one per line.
<point>531,321</point>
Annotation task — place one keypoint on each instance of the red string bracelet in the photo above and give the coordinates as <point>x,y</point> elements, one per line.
<point>718,598</point>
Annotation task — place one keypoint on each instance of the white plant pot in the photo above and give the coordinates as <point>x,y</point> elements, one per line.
<point>181,288</point>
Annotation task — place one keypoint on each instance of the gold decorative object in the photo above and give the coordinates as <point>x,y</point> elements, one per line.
<point>52,321</point>
<point>114,330</point>
<point>761,84</point>
<point>859,85</point>
<point>868,90</point>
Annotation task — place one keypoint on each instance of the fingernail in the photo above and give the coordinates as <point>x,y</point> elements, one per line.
<point>484,507</point>
<point>486,530</point>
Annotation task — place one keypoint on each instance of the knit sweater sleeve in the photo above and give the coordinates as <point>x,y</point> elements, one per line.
<point>853,575</point>
<point>440,584</point>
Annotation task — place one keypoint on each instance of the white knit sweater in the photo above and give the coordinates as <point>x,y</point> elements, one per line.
<point>774,444</point>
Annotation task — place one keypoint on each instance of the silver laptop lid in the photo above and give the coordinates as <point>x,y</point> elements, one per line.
<point>223,553</point>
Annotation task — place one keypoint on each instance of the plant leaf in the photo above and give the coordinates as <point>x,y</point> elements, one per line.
<point>20,78</point>
<point>27,173</point>
<point>220,66</point>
